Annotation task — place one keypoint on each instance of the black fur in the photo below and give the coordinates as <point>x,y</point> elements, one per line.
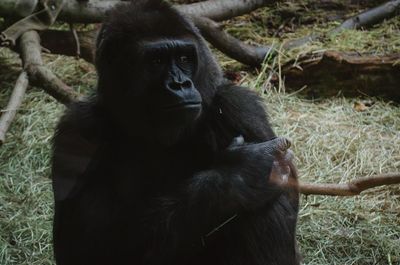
<point>121,197</point>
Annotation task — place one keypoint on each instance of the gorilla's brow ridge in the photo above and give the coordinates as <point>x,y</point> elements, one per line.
<point>167,45</point>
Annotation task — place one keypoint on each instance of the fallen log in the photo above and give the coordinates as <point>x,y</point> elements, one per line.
<point>331,72</point>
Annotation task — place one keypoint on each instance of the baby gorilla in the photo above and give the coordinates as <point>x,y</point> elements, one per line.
<point>168,163</point>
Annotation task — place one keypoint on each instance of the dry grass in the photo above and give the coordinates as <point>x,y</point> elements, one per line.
<point>332,142</point>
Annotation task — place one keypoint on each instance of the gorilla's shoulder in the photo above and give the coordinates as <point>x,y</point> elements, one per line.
<point>244,110</point>
<point>75,143</point>
<point>82,118</point>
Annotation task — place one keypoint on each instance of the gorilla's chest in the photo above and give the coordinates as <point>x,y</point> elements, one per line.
<point>150,173</point>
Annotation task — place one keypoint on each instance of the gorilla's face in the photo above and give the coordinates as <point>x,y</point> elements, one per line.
<point>168,70</point>
<point>154,78</point>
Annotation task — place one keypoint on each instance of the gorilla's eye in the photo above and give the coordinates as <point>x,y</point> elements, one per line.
<point>156,61</point>
<point>183,59</point>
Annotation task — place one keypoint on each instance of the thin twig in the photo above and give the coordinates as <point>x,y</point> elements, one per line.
<point>216,229</point>
<point>13,105</point>
<point>76,39</point>
<point>221,225</point>
<point>352,188</point>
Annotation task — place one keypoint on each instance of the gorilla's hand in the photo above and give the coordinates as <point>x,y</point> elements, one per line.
<point>273,157</point>
<point>277,145</point>
<point>245,176</point>
<point>284,171</point>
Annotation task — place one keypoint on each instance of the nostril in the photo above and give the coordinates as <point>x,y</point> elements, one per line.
<point>174,86</point>
<point>187,84</point>
<point>177,85</point>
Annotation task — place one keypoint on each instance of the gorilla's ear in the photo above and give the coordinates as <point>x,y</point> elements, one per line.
<point>72,157</point>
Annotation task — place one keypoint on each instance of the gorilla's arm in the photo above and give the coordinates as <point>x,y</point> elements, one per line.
<point>238,182</point>
<point>239,178</point>
<point>76,141</point>
<point>242,111</point>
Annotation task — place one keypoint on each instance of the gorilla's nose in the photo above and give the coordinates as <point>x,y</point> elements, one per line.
<point>180,84</point>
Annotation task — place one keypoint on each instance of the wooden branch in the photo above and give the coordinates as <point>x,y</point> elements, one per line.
<point>219,10</point>
<point>63,42</point>
<point>352,188</point>
<point>371,17</point>
<point>364,19</point>
<point>93,11</point>
<point>39,74</point>
<point>326,73</point>
<point>234,48</point>
<point>21,8</point>
<point>13,105</point>
<point>87,12</point>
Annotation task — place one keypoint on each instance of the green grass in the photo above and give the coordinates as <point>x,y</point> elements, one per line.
<point>332,141</point>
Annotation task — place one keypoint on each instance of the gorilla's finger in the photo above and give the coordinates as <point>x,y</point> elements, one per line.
<point>282,143</point>
<point>276,146</point>
<point>237,141</point>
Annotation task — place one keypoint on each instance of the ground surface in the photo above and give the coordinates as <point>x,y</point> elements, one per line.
<point>332,141</point>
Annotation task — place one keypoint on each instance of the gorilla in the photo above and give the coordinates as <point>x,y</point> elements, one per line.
<point>168,163</point>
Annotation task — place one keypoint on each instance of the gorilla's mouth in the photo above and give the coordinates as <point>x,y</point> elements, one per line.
<point>183,105</point>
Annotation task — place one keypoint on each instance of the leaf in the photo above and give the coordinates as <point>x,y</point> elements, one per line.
<point>359,106</point>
